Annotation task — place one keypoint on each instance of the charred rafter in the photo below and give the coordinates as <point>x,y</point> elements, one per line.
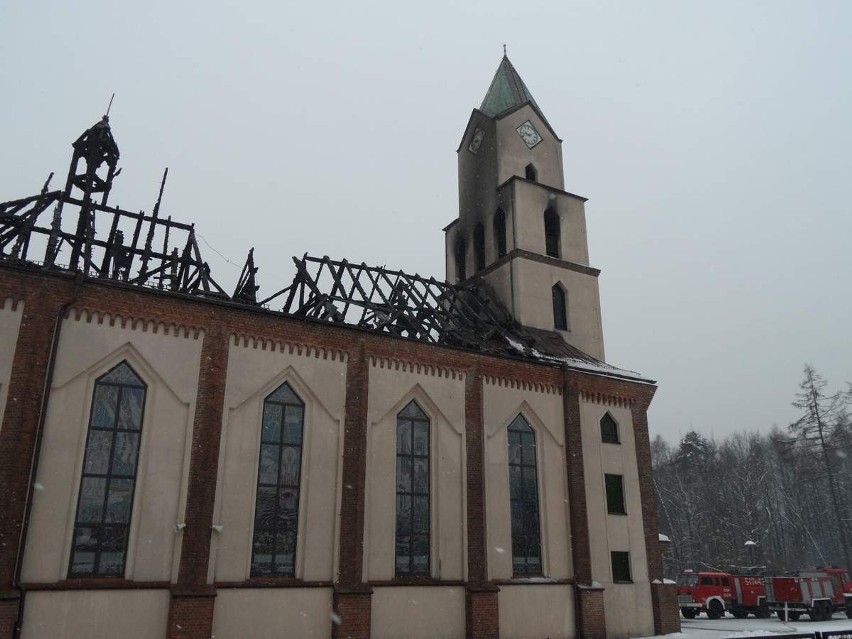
<point>74,229</point>
<point>398,303</point>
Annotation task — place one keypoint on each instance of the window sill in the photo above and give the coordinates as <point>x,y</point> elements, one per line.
<point>628,582</point>
<point>274,582</point>
<point>624,514</point>
<point>97,583</point>
<point>533,581</point>
<point>417,580</point>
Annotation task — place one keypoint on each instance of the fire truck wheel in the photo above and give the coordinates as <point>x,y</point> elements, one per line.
<point>763,612</point>
<point>739,614</point>
<point>849,610</point>
<point>794,616</point>
<point>715,609</point>
<point>689,613</point>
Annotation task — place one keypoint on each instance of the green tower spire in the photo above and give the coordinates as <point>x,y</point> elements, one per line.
<point>507,91</point>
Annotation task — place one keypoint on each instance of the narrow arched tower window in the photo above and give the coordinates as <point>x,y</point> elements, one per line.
<point>500,232</point>
<point>413,492</point>
<point>461,250</point>
<point>523,497</point>
<point>102,524</point>
<point>276,516</point>
<point>479,246</point>
<point>551,233</point>
<point>531,172</point>
<point>560,308</point>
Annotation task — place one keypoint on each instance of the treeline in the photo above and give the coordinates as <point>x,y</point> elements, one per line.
<point>761,503</point>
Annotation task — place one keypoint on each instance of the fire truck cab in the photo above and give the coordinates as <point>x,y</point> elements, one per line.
<point>707,592</point>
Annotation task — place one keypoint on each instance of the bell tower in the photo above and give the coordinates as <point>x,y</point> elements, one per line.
<point>518,229</point>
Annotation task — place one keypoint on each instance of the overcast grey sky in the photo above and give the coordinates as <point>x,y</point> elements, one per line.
<point>712,139</point>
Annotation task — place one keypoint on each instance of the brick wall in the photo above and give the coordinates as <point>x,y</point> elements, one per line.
<point>191,616</point>
<point>666,611</point>
<point>591,623</point>
<point>193,603</point>
<point>8,615</point>
<point>482,614</point>
<point>353,615</point>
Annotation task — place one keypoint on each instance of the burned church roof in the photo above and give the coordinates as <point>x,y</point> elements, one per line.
<point>75,230</point>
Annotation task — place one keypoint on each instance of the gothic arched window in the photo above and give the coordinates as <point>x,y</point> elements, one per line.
<point>461,251</point>
<point>523,498</point>
<point>551,233</point>
<point>412,491</point>
<point>479,246</point>
<point>276,515</point>
<point>560,308</point>
<point>500,232</point>
<point>609,429</point>
<point>531,172</point>
<point>102,523</point>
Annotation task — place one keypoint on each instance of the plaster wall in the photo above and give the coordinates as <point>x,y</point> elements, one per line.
<point>543,411</point>
<point>258,613</point>
<point>419,612</point>
<point>442,399</point>
<point>10,325</point>
<point>513,155</point>
<point>533,284</point>
<point>529,204</point>
<point>168,363</point>
<point>628,605</point>
<point>254,373</point>
<point>537,611</point>
<point>96,614</point>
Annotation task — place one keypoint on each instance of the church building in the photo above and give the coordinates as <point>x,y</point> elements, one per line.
<point>364,454</point>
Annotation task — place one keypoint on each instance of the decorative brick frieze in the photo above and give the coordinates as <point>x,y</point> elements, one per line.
<point>90,316</point>
<point>522,384</point>
<point>10,304</point>
<point>291,348</point>
<point>419,368</point>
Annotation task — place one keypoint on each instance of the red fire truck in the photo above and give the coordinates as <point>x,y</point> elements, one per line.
<point>713,593</point>
<point>818,593</point>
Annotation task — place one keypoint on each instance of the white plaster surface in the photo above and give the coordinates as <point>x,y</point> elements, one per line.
<point>421,612</point>
<point>96,614</point>
<point>260,613</point>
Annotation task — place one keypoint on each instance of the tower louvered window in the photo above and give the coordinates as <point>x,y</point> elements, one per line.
<point>500,232</point>
<point>102,523</point>
<point>479,246</point>
<point>551,233</point>
<point>276,518</point>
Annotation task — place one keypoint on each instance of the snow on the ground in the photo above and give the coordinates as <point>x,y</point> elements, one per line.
<point>730,627</point>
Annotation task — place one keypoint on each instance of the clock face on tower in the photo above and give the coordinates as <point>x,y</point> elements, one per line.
<point>476,142</point>
<point>529,135</point>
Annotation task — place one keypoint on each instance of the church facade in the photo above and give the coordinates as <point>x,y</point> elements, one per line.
<point>384,457</point>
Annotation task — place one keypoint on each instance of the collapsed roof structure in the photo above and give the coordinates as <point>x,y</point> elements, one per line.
<point>75,230</point>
